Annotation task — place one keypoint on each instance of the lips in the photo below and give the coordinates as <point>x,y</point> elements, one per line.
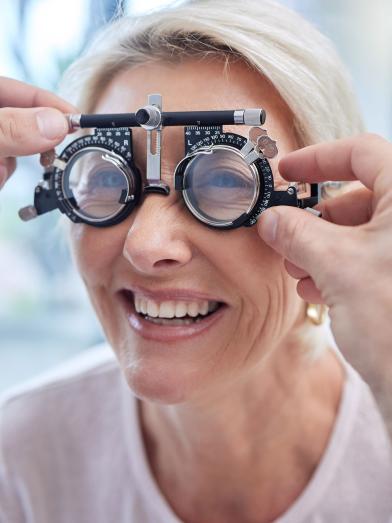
<point>160,329</point>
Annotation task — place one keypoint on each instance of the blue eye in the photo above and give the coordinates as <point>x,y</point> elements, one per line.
<point>108,179</point>
<point>227,180</point>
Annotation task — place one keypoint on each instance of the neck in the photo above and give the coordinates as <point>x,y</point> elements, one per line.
<point>246,453</point>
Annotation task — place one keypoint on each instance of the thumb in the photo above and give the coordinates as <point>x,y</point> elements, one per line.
<point>302,238</point>
<point>30,131</point>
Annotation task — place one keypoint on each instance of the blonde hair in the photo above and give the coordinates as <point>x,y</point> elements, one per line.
<point>288,51</point>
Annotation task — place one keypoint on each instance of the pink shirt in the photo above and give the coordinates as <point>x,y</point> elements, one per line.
<point>71,451</point>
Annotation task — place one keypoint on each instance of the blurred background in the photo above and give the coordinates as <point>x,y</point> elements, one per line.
<point>45,316</point>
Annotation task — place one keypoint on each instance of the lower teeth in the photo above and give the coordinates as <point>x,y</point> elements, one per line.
<point>174,321</point>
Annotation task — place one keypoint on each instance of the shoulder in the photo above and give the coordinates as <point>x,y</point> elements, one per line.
<point>87,367</point>
<point>358,464</point>
<point>62,399</point>
<point>360,434</point>
<point>353,481</point>
<point>370,447</point>
<point>63,444</point>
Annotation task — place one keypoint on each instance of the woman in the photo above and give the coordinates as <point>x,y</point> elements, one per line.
<point>249,415</point>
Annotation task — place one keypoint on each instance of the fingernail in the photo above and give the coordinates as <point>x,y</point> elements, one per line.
<point>269,225</point>
<point>51,124</point>
<point>3,175</point>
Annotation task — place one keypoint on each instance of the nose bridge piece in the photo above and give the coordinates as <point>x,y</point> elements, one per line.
<point>158,188</point>
<point>150,117</point>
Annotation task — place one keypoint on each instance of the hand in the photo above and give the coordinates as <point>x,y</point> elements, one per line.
<point>31,121</point>
<point>345,259</point>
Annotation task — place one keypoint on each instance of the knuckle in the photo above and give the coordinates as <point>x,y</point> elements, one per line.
<point>4,132</point>
<point>15,131</point>
<point>10,131</point>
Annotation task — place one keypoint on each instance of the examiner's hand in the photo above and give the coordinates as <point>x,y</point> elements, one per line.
<point>31,121</point>
<point>345,259</point>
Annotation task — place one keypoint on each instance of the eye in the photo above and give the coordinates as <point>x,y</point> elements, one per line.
<point>225,179</point>
<point>107,179</point>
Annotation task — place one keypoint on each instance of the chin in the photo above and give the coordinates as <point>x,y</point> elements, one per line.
<point>157,383</point>
<point>168,371</point>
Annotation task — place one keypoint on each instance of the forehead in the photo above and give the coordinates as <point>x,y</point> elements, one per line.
<point>192,85</point>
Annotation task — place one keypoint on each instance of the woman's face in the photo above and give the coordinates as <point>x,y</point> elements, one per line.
<point>168,261</point>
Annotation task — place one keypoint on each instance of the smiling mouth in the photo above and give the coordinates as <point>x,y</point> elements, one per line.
<point>171,313</point>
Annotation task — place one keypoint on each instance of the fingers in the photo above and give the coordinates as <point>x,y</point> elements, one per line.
<point>351,208</point>
<point>308,291</point>
<point>294,271</point>
<point>30,131</point>
<point>18,94</point>
<point>38,127</point>
<point>364,157</point>
<point>303,239</point>
<point>306,287</point>
<point>7,167</point>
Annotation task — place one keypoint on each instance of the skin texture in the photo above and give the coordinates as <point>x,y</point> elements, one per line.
<point>236,419</point>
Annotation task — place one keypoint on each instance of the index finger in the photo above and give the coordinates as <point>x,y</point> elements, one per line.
<point>14,93</point>
<point>364,157</point>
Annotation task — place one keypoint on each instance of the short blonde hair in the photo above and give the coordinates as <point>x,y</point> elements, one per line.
<point>288,51</point>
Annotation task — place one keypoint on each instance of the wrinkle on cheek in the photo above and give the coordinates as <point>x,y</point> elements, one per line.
<point>280,302</point>
<point>277,318</point>
<point>232,343</point>
<point>250,328</point>
<point>259,322</point>
<point>266,324</point>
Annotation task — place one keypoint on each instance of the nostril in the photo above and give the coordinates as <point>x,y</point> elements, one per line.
<point>165,263</point>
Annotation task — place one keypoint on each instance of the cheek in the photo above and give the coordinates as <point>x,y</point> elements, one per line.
<point>257,280</point>
<point>95,250</point>
<point>271,291</point>
<point>246,262</point>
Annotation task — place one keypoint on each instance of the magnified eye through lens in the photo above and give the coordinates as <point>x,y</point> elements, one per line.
<point>219,186</point>
<point>96,184</point>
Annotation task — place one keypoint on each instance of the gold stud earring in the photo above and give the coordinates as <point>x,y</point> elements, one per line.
<point>317,313</point>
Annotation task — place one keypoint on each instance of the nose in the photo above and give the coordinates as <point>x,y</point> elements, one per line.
<point>157,242</point>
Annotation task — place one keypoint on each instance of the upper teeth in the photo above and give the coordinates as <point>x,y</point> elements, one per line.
<point>171,309</point>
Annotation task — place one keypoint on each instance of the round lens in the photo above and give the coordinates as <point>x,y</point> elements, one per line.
<point>96,185</point>
<point>220,186</point>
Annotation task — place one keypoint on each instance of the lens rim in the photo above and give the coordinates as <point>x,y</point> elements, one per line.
<point>130,171</point>
<point>68,169</point>
<point>263,178</point>
<point>194,211</point>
